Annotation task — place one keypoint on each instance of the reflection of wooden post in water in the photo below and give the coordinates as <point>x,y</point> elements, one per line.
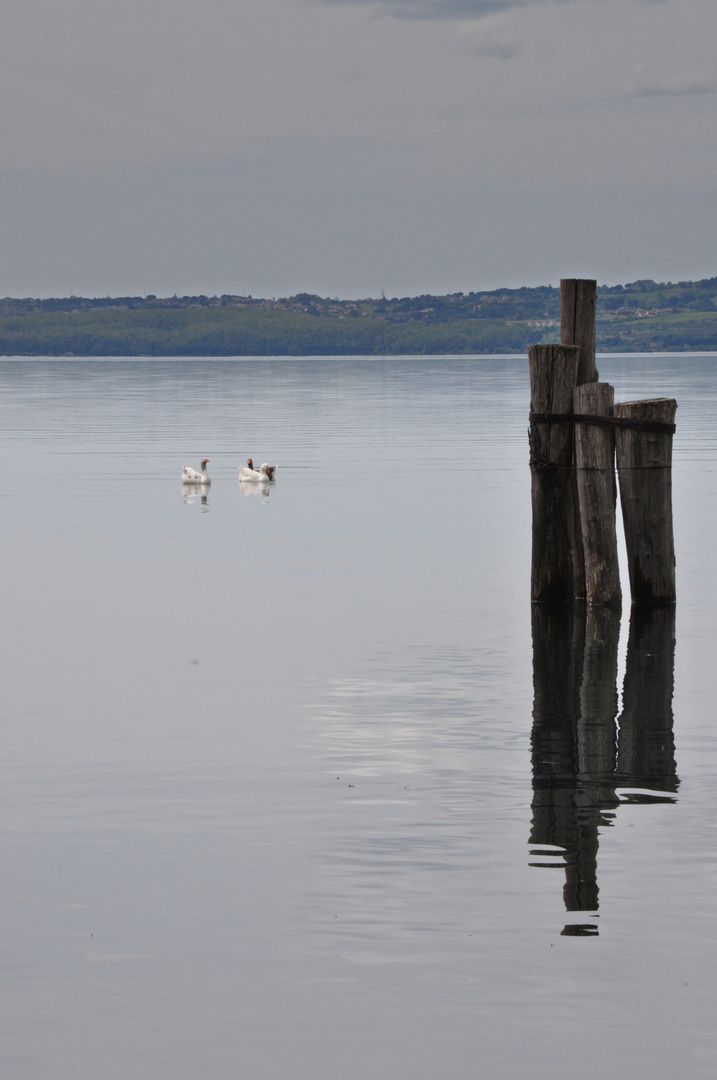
<point>646,744</point>
<point>558,643</point>
<point>578,758</point>
<point>595,754</point>
<point>573,741</point>
<point>644,466</point>
<point>557,572</point>
<point>598,697</point>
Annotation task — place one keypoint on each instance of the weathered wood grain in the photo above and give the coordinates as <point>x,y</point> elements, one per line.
<point>578,300</point>
<point>557,572</point>
<point>644,466</point>
<point>597,495</point>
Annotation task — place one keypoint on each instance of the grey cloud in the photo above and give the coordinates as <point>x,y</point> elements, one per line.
<point>496,47</point>
<point>684,84</point>
<point>99,83</point>
<point>455,9</point>
<point>441,9</point>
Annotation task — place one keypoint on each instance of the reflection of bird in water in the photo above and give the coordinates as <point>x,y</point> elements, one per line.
<point>248,472</point>
<point>250,487</point>
<point>191,493</point>
<point>191,476</point>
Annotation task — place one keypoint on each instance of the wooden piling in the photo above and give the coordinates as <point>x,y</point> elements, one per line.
<point>557,572</point>
<point>597,494</point>
<point>644,466</point>
<point>578,300</point>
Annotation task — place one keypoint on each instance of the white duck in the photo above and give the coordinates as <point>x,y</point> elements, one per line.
<point>248,472</point>
<point>191,476</point>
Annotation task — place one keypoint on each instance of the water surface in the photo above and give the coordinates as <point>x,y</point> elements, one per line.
<point>292,783</point>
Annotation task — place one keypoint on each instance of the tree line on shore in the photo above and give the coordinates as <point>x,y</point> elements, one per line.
<point>642,316</point>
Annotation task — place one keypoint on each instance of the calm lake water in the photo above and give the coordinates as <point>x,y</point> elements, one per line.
<point>291,787</point>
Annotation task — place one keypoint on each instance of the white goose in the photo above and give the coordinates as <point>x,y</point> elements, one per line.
<point>191,476</point>
<point>248,472</point>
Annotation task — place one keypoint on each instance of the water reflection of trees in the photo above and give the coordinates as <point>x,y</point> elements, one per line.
<point>579,758</point>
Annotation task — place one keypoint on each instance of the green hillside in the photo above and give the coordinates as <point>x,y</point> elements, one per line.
<point>643,316</point>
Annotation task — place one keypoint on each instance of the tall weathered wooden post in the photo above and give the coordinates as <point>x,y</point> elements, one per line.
<point>578,301</point>
<point>558,570</point>
<point>644,467</point>
<point>597,492</point>
<point>572,454</point>
<point>557,573</point>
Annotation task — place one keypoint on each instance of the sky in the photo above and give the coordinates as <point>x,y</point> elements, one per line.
<point>350,147</point>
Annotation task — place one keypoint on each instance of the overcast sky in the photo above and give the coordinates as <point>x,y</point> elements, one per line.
<point>349,146</point>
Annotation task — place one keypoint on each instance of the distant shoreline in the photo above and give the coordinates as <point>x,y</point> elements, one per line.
<point>641,317</point>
